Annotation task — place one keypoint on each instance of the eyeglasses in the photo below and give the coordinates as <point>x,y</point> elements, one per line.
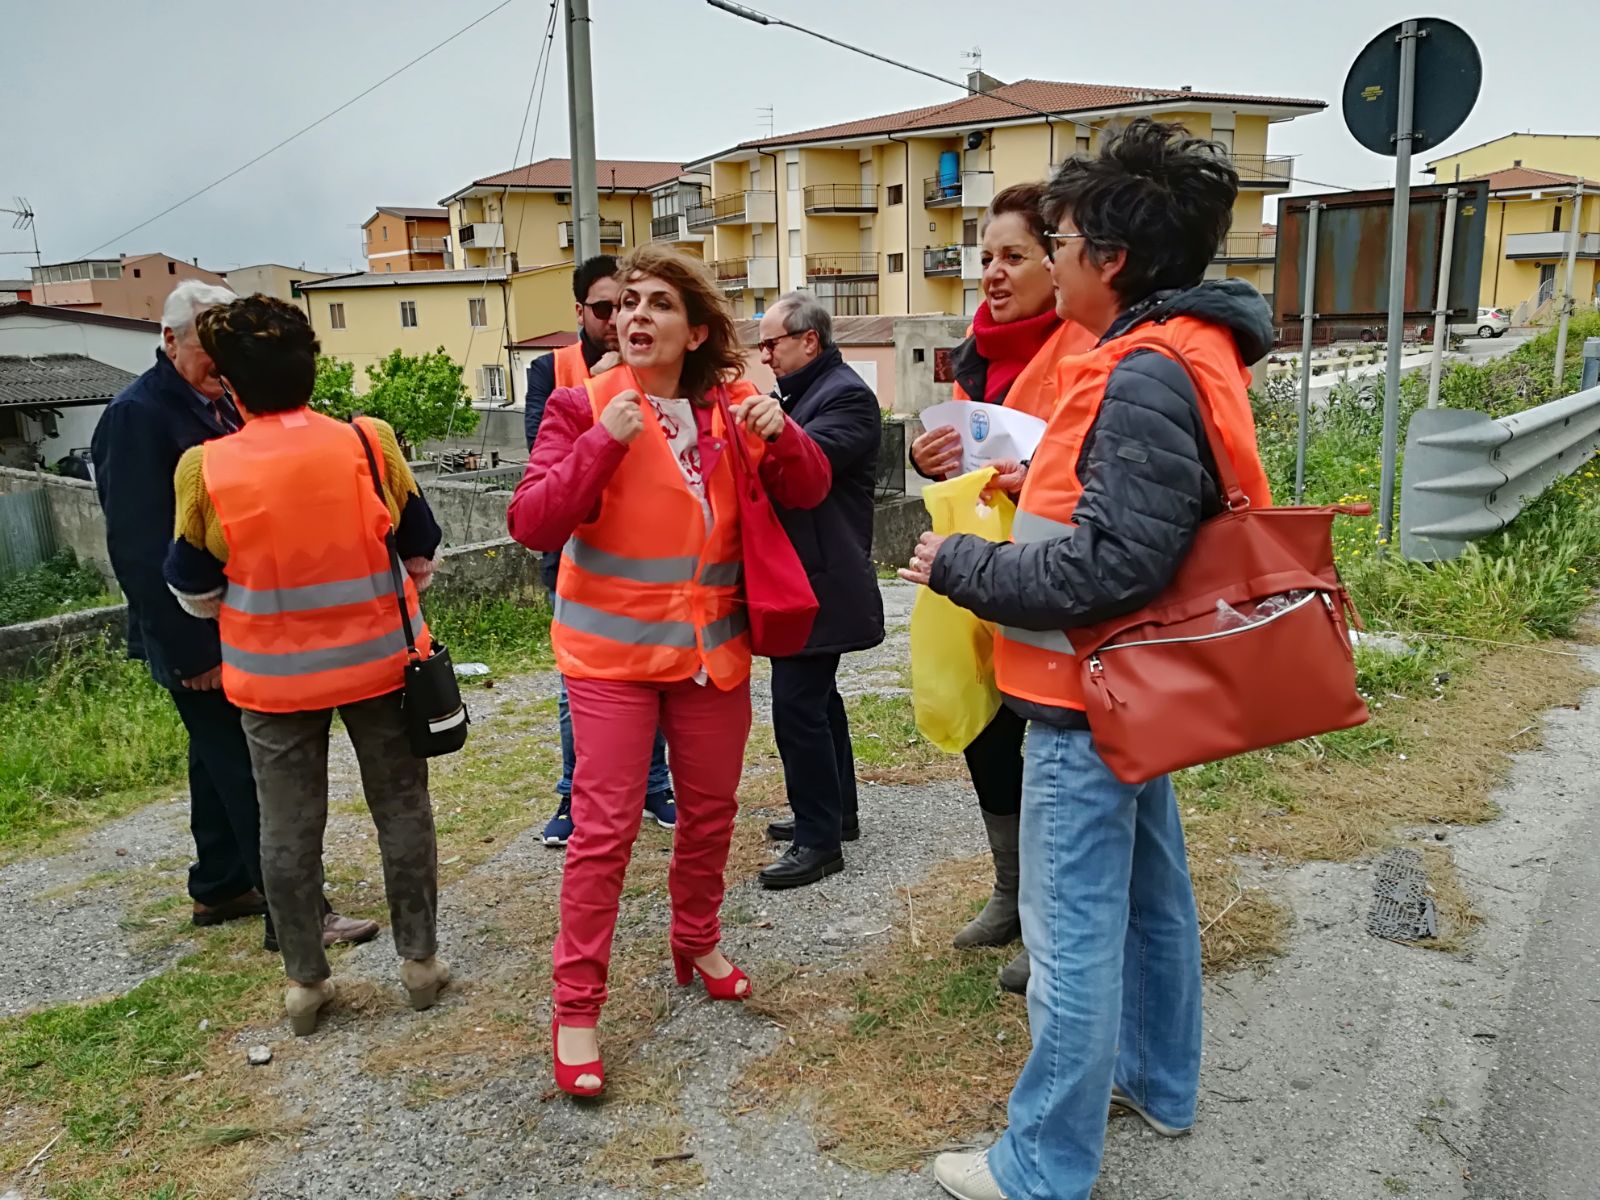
<point>1065,237</point>
<point>770,344</point>
<point>603,309</point>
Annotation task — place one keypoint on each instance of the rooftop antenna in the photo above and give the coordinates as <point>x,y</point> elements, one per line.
<point>975,58</point>
<point>764,116</point>
<point>23,214</point>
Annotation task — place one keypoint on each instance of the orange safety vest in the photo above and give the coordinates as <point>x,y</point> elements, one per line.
<point>571,369</point>
<point>1038,665</point>
<point>309,619</point>
<point>645,592</point>
<point>1034,390</point>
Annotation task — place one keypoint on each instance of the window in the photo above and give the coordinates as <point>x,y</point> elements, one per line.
<point>791,172</point>
<point>849,297</point>
<point>1555,221</point>
<point>492,384</point>
<point>408,314</point>
<point>1223,138</point>
<point>477,312</point>
<point>136,272</point>
<point>897,194</point>
<point>336,316</point>
<point>385,229</point>
<point>172,268</point>
<point>918,355</point>
<point>897,263</point>
<point>794,243</point>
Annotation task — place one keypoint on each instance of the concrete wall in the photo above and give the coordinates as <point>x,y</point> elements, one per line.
<point>499,428</point>
<point>74,513</point>
<point>466,514</point>
<point>896,526</point>
<point>915,387</point>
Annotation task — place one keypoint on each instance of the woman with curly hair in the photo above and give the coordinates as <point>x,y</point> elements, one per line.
<point>283,537</point>
<point>635,479</point>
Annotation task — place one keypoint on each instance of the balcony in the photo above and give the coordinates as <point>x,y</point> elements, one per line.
<point>422,245</point>
<point>840,199</point>
<point>1270,171</point>
<point>952,262</point>
<point>736,208</point>
<point>610,234</point>
<point>841,266</point>
<point>673,227</point>
<point>1248,248</point>
<point>483,235</point>
<point>973,189</point>
<point>1550,247</point>
<point>737,274</point>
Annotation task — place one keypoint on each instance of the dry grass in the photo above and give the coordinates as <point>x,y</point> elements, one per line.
<point>1458,916</point>
<point>647,1156</point>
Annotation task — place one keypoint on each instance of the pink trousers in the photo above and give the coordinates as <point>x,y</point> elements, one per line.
<point>613,727</point>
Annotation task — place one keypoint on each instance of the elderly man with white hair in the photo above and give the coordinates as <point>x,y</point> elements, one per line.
<point>178,403</point>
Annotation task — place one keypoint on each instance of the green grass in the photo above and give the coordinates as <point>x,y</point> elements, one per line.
<point>81,740</point>
<point>59,584</point>
<point>507,635</point>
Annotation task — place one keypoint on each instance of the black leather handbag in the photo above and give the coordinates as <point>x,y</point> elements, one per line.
<point>436,718</point>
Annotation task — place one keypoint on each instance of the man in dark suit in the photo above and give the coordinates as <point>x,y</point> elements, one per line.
<point>838,411</point>
<point>176,404</point>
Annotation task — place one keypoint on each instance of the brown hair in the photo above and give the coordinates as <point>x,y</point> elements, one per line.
<point>718,359</point>
<point>265,348</point>
<point>1027,201</point>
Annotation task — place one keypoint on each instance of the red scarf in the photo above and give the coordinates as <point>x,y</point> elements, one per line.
<point>1008,348</point>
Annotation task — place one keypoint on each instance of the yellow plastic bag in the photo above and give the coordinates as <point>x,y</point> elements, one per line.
<point>953,694</point>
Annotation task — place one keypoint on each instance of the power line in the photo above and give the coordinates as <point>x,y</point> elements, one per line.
<point>299,132</point>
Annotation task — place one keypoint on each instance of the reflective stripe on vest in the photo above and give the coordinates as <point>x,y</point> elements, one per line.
<point>646,592</point>
<point>571,368</point>
<point>1039,666</point>
<point>309,618</point>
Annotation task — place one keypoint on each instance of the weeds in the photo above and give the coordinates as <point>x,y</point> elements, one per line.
<point>59,584</point>
<point>507,635</point>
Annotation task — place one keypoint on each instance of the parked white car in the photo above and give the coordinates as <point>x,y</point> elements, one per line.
<point>1491,322</point>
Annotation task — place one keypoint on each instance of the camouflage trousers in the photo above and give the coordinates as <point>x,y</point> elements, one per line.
<point>289,752</point>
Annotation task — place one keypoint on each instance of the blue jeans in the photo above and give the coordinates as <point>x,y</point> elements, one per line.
<point>659,782</point>
<point>1108,917</point>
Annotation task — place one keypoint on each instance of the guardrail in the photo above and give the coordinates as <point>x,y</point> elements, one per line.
<point>1468,475</point>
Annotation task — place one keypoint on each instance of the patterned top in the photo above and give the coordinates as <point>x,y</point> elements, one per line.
<point>683,437</point>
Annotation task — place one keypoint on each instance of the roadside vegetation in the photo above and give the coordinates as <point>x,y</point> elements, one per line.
<point>60,584</point>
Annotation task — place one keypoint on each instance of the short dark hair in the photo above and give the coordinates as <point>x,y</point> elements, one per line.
<point>1027,201</point>
<point>592,270</point>
<point>265,348</point>
<point>1164,197</point>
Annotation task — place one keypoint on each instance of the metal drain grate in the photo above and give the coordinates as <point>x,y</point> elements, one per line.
<point>1402,910</point>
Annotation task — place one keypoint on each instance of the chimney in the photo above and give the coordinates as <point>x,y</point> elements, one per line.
<point>1516,162</point>
<point>982,84</point>
<point>1188,87</point>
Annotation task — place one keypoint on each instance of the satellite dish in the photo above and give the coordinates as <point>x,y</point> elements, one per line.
<point>975,139</point>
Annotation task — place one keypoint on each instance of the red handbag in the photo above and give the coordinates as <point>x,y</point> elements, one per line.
<point>778,596</point>
<point>1247,647</point>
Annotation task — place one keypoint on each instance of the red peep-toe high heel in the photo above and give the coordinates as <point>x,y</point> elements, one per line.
<point>726,988</point>
<point>567,1074</point>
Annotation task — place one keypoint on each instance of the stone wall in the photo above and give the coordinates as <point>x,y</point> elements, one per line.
<point>40,640</point>
<point>467,513</point>
<point>896,526</point>
<point>74,514</point>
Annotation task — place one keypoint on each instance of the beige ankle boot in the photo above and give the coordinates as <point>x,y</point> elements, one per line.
<point>303,1001</point>
<point>422,979</point>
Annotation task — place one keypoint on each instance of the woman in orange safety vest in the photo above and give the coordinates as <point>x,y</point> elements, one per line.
<point>281,536</point>
<point>633,480</point>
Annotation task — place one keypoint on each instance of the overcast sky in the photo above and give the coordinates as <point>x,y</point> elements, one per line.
<point>116,109</point>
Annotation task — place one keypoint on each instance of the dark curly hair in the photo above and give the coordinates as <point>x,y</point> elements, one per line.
<point>1026,200</point>
<point>1164,197</point>
<point>264,348</point>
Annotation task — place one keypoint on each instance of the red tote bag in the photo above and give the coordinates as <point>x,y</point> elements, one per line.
<point>778,596</point>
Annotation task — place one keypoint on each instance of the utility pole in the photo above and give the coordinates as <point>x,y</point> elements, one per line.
<point>1441,306</point>
<point>580,115</point>
<point>1573,236</point>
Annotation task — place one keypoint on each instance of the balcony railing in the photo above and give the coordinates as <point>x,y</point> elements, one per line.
<point>1248,247</point>
<point>847,199</point>
<point>1263,170</point>
<point>1550,246</point>
<point>610,234</point>
<point>421,245</point>
<point>969,189</point>
<point>482,235</point>
<point>736,208</point>
<point>673,227</point>
<point>737,274</point>
<point>953,261</point>
<point>841,266</point>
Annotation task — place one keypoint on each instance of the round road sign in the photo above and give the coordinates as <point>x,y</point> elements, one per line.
<point>1448,76</point>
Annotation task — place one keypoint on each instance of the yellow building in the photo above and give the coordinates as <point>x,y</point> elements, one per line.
<point>1537,201</point>
<point>524,217</point>
<point>363,318</point>
<point>880,215</point>
<point>272,279</point>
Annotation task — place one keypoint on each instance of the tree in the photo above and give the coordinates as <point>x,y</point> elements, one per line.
<point>423,397</point>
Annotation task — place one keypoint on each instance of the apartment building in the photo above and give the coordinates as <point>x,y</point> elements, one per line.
<point>523,218</point>
<point>1538,198</point>
<point>406,239</point>
<point>273,279</point>
<point>127,286</point>
<point>880,215</point>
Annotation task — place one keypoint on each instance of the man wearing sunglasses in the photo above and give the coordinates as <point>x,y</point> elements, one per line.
<point>595,289</point>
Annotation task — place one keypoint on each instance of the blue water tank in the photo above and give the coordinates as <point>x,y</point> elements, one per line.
<point>949,172</point>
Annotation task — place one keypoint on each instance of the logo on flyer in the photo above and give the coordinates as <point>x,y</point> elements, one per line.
<point>979,425</point>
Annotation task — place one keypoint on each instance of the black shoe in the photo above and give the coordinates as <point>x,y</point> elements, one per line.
<point>801,865</point>
<point>783,831</point>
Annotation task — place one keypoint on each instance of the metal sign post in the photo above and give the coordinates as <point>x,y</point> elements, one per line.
<point>1441,309</point>
<point>1568,301</point>
<point>1397,276</point>
<point>1308,323</point>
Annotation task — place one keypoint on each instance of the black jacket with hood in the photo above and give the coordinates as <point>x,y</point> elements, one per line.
<point>1148,477</point>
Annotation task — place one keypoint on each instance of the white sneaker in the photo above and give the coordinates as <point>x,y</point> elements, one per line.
<point>1121,1099</point>
<point>966,1176</point>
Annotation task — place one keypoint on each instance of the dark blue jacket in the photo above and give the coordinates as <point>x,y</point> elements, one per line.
<point>136,447</point>
<point>541,382</point>
<point>838,411</point>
